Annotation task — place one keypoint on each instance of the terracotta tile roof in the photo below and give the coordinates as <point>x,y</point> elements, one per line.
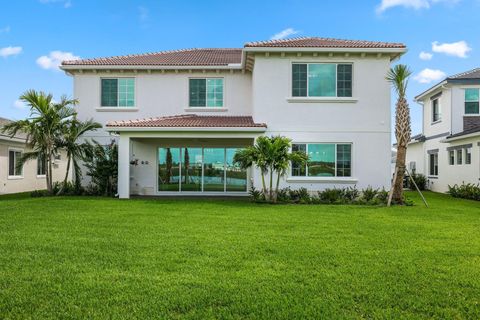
<point>316,42</point>
<point>186,57</point>
<point>190,121</point>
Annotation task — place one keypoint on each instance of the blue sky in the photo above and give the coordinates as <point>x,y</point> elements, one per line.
<point>36,34</point>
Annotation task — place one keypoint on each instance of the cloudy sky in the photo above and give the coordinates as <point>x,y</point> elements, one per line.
<point>36,35</point>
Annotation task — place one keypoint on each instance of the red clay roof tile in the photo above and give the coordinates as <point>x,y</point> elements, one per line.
<point>190,121</point>
<point>316,42</point>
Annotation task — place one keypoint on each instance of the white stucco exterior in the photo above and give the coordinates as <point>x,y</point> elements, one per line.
<point>263,92</point>
<point>447,134</point>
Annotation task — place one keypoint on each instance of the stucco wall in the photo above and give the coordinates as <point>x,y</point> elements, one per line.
<point>29,181</point>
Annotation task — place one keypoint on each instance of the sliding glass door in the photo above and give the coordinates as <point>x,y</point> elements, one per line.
<point>187,169</point>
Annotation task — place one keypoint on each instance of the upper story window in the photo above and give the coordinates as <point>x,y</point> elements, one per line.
<point>325,160</point>
<point>206,92</point>
<point>118,92</point>
<point>436,115</point>
<point>471,101</point>
<point>321,80</point>
<point>14,167</point>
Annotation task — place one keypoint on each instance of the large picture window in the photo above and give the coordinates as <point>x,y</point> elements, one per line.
<point>119,92</point>
<point>197,169</point>
<point>14,167</point>
<point>472,99</point>
<point>325,160</point>
<point>321,80</point>
<point>206,92</point>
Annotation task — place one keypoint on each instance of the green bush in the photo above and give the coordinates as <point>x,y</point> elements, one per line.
<point>465,191</point>
<point>39,193</point>
<point>332,196</point>
<point>419,179</point>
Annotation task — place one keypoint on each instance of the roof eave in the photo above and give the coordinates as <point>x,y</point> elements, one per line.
<point>430,91</point>
<point>185,129</point>
<point>461,137</point>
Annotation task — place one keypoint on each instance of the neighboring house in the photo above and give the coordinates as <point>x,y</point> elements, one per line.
<point>179,116</point>
<point>448,149</point>
<point>29,177</point>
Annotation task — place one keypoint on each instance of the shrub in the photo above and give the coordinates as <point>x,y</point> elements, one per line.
<point>283,195</point>
<point>465,191</point>
<point>102,167</point>
<point>419,179</point>
<point>256,195</point>
<point>369,194</point>
<point>39,193</point>
<point>331,196</point>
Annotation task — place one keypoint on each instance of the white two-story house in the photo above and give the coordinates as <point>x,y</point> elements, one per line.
<point>448,149</point>
<point>179,116</point>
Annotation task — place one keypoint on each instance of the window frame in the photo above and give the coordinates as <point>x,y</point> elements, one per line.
<point>200,108</point>
<point>451,157</point>
<point>436,102</point>
<point>468,155</point>
<point>459,156</point>
<point>465,102</point>
<point>15,176</point>
<point>39,174</point>
<point>435,164</point>
<point>336,97</point>
<point>117,107</point>
<point>336,177</point>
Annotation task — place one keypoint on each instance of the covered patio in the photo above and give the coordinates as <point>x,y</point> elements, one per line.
<point>187,155</point>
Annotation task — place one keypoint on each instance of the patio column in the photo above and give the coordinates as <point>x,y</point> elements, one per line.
<point>124,167</point>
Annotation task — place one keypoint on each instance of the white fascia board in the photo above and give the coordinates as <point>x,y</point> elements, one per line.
<point>467,136</point>
<point>324,49</point>
<point>185,129</point>
<point>422,95</point>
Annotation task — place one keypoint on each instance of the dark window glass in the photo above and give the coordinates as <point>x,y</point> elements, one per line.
<point>459,156</point>
<point>433,164</point>
<point>299,80</point>
<point>468,156</point>
<point>344,80</point>
<point>198,92</point>
<point>109,92</point>
<point>299,170</point>
<point>14,166</point>
<point>11,163</point>
<point>471,108</point>
<point>435,110</point>
<point>451,157</point>
<point>344,160</point>
<point>41,166</point>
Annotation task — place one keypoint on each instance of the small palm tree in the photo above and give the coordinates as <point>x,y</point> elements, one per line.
<point>42,128</point>
<point>76,151</point>
<point>398,77</point>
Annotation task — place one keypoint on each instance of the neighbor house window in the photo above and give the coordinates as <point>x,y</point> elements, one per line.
<point>468,156</point>
<point>14,167</point>
<point>433,161</point>
<point>471,101</point>
<point>118,92</point>
<point>206,92</point>
<point>41,166</point>
<point>436,116</point>
<point>451,157</point>
<point>321,80</point>
<point>324,160</point>
<point>459,156</point>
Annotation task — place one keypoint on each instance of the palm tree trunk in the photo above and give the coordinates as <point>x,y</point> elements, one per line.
<point>264,187</point>
<point>278,184</point>
<point>397,196</point>
<point>270,191</point>
<point>62,187</point>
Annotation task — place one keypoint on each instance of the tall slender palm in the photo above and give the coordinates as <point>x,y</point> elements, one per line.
<point>398,77</point>
<point>69,142</point>
<point>42,127</point>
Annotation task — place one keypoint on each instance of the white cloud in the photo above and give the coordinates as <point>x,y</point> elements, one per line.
<point>429,75</point>
<point>5,29</point>
<point>54,59</point>
<point>411,4</point>
<point>66,3</point>
<point>143,14</point>
<point>456,49</point>
<point>284,34</point>
<point>425,55</point>
<point>10,51</point>
<point>19,104</point>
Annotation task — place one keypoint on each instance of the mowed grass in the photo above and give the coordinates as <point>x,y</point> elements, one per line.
<point>75,258</point>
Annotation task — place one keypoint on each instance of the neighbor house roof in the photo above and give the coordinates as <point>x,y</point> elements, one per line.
<point>4,136</point>
<point>316,42</point>
<point>189,121</point>
<point>464,133</point>
<point>228,57</point>
<point>186,57</point>
<point>467,77</point>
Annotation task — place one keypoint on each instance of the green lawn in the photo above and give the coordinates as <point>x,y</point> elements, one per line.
<point>106,258</point>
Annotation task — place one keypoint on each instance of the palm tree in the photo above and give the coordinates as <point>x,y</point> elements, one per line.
<point>283,158</point>
<point>42,128</point>
<point>69,141</point>
<point>255,155</point>
<point>398,77</point>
